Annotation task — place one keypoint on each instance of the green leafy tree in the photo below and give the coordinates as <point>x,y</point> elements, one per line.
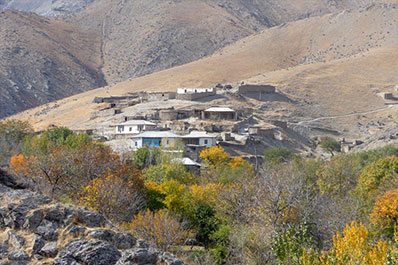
<point>277,155</point>
<point>330,145</point>
<point>205,222</point>
<point>12,135</point>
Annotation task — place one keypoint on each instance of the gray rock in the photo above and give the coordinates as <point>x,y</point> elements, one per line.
<point>3,214</point>
<point>170,259</point>
<point>91,219</point>
<point>49,250</point>
<point>124,240</point>
<point>141,256</point>
<point>16,217</point>
<point>18,255</point>
<point>38,243</point>
<point>15,240</point>
<point>38,200</point>
<point>120,240</point>
<point>3,251</point>
<point>33,220</point>
<point>74,230</point>
<point>55,215</point>
<point>102,234</point>
<point>48,230</point>
<point>93,252</point>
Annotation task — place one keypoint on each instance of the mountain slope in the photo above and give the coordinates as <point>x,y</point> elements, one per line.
<point>305,48</point>
<point>43,60</point>
<point>48,8</point>
<point>142,37</point>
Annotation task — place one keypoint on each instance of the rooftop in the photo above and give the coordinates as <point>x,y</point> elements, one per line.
<point>156,134</point>
<point>217,109</point>
<point>137,122</point>
<point>186,161</point>
<point>198,134</point>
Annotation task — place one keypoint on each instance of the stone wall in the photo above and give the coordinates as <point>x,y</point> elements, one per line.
<point>267,89</point>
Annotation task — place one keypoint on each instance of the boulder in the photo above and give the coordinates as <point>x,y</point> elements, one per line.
<point>91,219</point>
<point>47,230</point>
<point>93,252</point>
<point>49,250</point>
<point>18,255</point>
<point>38,244</point>
<point>15,240</point>
<point>140,256</point>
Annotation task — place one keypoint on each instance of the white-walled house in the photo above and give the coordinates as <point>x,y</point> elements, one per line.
<point>154,139</point>
<point>199,138</point>
<point>134,127</point>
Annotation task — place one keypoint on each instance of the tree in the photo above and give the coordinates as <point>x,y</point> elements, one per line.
<point>145,157</point>
<point>161,229</point>
<point>205,222</point>
<point>376,177</point>
<point>330,145</point>
<point>385,213</point>
<point>113,197</point>
<point>215,156</point>
<point>277,155</point>
<point>350,248</point>
<point>12,135</point>
<point>163,172</point>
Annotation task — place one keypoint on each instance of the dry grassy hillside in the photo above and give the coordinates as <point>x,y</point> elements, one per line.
<point>49,8</point>
<point>42,60</point>
<point>142,37</point>
<point>342,67</point>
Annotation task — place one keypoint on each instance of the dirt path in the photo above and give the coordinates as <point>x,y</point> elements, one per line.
<point>344,116</point>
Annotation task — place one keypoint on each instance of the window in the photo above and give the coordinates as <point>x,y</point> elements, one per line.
<point>206,141</point>
<point>136,143</point>
<point>131,128</point>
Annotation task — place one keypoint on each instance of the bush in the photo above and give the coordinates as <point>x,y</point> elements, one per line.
<point>12,135</point>
<point>352,248</point>
<point>330,145</point>
<point>160,229</point>
<point>113,197</point>
<point>385,213</point>
<point>277,155</point>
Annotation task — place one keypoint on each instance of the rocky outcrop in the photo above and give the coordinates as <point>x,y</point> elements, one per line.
<point>36,230</point>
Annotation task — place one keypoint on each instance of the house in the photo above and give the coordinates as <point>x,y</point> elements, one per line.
<point>199,138</point>
<point>191,165</point>
<point>134,127</point>
<point>217,113</point>
<point>258,92</point>
<point>195,93</point>
<point>154,139</point>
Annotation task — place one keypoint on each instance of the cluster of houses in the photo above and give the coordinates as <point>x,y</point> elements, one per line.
<point>192,126</point>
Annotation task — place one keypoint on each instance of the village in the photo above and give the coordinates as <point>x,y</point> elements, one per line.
<point>235,117</point>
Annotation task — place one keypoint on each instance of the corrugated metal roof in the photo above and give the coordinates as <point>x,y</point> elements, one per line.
<point>186,161</point>
<point>137,122</point>
<point>156,134</point>
<point>217,109</point>
<point>198,134</point>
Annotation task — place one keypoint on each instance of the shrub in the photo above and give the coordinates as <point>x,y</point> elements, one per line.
<point>385,212</point>
<point>351,248</point>
<point>277,155</point>
<point>113,197</point>
<point>160,229</point>
<point>330,145</point>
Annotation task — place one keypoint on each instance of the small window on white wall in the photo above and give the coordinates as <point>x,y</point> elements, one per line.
<point>131,128</point>
<point>206,141</point>
<point>136,143</point>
